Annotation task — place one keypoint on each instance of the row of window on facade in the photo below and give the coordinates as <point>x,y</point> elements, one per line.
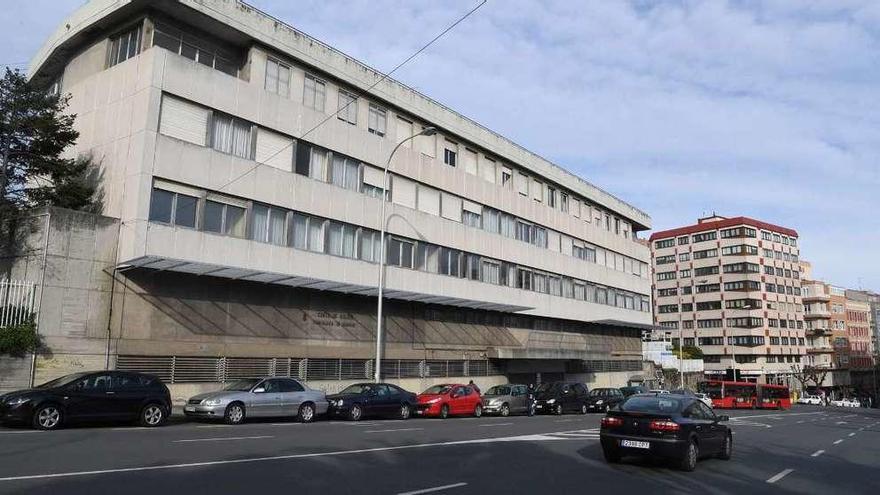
<point>278,77</point>
<point>738,250</point>
<point>732,233</point>
<point>198,125</point>
<point>752,359</point>
<point>187,207</point>
<point>729,268</point>
<point>719,323</point>
<point>746,341</point>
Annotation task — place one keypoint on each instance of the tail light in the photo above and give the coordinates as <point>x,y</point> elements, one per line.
<point>611,421</point>
<point>664,425</point>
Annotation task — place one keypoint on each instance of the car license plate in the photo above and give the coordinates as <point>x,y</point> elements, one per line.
<point>190,408</point>
<point>539,406</point>
<point>635,444</point>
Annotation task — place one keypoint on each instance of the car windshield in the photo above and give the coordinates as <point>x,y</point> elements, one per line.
<point>548,387</point>
<point>360,388</point>
<point>596,392</point>
<point>499,390</point>
<point>627,391</point>
<point>242,385</point>
<point>437,390</point>
<point>651,404</point>
<point>64,380</point>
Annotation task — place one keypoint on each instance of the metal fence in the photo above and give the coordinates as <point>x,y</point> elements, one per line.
<point>17,302</point>
<point>190,369</point>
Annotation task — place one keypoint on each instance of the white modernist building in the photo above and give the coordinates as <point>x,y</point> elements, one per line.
<point>244,159</point>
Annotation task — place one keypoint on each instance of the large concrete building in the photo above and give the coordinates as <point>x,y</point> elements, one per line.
<point>732,287</point>
<point>242,162</point>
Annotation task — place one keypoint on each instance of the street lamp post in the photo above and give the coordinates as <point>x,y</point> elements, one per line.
<point>377,374</point>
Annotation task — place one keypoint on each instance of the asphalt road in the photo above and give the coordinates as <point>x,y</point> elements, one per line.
<point>806,450</point>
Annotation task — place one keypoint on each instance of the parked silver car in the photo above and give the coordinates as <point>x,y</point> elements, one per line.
<point>508,399</point>
<point>266,397</point>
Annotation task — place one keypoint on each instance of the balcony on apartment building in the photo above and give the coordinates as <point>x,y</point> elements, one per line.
<point>815,293</point>
<point>811,312</point>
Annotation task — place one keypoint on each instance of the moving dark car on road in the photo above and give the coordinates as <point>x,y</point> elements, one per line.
<point>603,399</point>
<point>89,396</point>
<point>508,399</point>
<point>561,397</point>
<point>635,389</point>
<point>372,399</point>
<point>676,427</point>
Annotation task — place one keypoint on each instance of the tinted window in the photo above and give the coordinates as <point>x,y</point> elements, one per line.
<point>124,381</point>
<point>64,380</point>
<point>271,386</point>
<point>707,413</point>
<point>92,383</point>
<point>360,388</point>
<point>694,412</point>
<point>580,389</point>
<point>437,390</point>
<point>290,386</point>
<point>650,404</point>
<point>499,390</point>
<point>382,390</point>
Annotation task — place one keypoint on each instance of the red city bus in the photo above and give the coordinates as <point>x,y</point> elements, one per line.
<point>745,395</point>
<point>774,397</point>
<point>730,395</point>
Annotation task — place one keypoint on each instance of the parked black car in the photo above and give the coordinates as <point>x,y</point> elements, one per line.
<point>603,399</point>
<point>372,399</point>
<point>676,427</point>
<point>561,397</point>
<point>89,396</point>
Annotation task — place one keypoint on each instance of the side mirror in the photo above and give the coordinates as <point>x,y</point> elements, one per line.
<point>723,418</point>
<point>260,390</point>
<point>454,396</point>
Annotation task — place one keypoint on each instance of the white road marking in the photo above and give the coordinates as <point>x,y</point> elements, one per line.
<point>285,424</point>
<point>817,453</point>
<point>852,434</point>
<point>221,439</point>
<point>566,420</point>
<point>216,426</point>
<point>399,429</point>
<point>778,476</point>
<point>838,441</point>
<point>495,424</point>
<point>71,474</point>
<point>435,489</point>
<point>840,423</point>
<point>801,421</point>
<point>773,415</point>
<point>21,432</point>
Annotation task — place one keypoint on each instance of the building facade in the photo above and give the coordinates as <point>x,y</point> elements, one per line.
<point>243,160</point>
<point>731,286</point>
<point>859,341</point>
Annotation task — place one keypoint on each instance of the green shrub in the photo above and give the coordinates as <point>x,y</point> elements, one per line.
<point>19,340</point>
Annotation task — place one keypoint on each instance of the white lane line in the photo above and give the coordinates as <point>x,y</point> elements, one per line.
<point>221,439</point>
<point>495,424</point>
<point>285,424</point>
<point>838,441</point>
<point>398,429</point>
<point>801,421</point>
<point>773,415</point>
<point>852,434</point>
<point>20,432</point>
<point>817,453</point>
<point>778,476</point>
<point>435,489</point>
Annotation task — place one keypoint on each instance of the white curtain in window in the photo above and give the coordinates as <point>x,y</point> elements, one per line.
<point>316,234</point>
<point>318,165</point>
<point>334,238</point>
<point>232,136</point>
<point>352,179</point>
<point>337,172</point>
<point>261,223</point>
<point>277,219</point>
<point>300,231</point>
<point>348,241</point>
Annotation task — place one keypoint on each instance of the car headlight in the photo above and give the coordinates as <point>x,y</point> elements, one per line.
<point>599,402</point>
<point>551,401</point>
<point>434,400</point>
<point>212,402</point>
<point>339,402</point>
<point>18,401</point>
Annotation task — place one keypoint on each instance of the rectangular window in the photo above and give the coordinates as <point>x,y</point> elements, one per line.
<point>706,236</point>
<point>715,323</point>
<point>345,172</point>
<point>665,243</point>
<point>563,202</point>
<point>469,161</point>
<point>232,135</point>
<point>706,270</point>
<point>683,240</point>
<point>450,153</point>
<point>706,253</point>
<point>377,120</point>
<point>662,260</point>
<point>400,253</point>
<point>347,107</point>
<point>684,273</point>
<point>278,78</point>
<point>551,197</point>
<point>124,46</point>
<point>471,219</point>
<point>300,231</point>
<point>269,225</point>
<point>202,51</point>
<point>173,208</point>
<point>314,93</point>
<point>506,177</point>
<point>491,273</point>
<point>184,120</point>
<point>684,257</point>
<point>708,305</point>
<point>224,218</point>
<point>274,149</point>
<point>666,276</point>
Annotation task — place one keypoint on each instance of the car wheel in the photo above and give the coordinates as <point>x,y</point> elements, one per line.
<point>234,414</point>
<point>531,411</point>
<point>612,455</point>
<point>689,460</point>
<point>405,411</point>
<point>606,408</point>
<point>558,410</point>
<point>478,411</point>
<point>584,409</point>
<point>152,415</point>
<point>444,411</point>
<point>306,413</point>
<point>726,448</point>
<point>48,417</point>
<point>505,410</point>
<point>355,413</point>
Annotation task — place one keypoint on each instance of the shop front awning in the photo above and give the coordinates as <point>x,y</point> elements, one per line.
<point>159,263</point>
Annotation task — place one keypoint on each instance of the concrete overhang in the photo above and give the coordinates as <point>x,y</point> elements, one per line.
<point>159,263</point>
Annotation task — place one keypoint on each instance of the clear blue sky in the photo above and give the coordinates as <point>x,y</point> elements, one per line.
<point>769,109</point>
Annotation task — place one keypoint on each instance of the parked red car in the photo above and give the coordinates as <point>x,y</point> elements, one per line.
<point>447,400</point>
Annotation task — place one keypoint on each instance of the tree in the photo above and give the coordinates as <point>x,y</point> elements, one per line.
<point>688,352</point>
<point>34,133</point>
<point>808,373</point>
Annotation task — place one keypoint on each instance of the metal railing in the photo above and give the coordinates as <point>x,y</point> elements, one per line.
<point>17,302</point>
<point>193,369</point>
